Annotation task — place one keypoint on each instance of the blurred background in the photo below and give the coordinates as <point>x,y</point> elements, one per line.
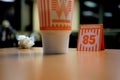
<point>23,18</point>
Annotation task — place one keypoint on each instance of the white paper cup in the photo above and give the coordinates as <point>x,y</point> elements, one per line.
<point>55,41</point>
<point>55,18</point>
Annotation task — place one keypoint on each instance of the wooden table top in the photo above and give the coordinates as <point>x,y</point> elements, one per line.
<point>32,64</point>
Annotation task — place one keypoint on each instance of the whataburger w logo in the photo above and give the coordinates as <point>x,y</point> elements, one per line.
<point>62,7</point>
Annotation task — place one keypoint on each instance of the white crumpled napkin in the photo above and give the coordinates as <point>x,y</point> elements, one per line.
<point>25,42</point>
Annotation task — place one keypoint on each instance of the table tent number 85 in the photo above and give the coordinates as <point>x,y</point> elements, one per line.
<point>90,37</point>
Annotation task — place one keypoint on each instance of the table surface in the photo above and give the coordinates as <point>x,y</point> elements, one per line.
<point>32,64</point>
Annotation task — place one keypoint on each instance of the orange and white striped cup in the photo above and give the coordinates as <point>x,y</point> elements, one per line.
<point>55,18</point>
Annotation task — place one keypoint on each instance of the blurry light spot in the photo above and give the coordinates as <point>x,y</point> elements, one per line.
<point>87,13</point>
<point>8,0</point>
<point>119,6</point>
<point>90,14</point>
<point>90,4</point>
<point>108,14</point>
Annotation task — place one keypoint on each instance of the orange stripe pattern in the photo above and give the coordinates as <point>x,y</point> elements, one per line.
<point>55,14</point>
<point>89,38</point>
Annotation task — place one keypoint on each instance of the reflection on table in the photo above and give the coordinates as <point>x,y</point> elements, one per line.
<point>32,64</point>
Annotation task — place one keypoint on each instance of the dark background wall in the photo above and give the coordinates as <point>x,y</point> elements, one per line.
<point>111,24</point>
